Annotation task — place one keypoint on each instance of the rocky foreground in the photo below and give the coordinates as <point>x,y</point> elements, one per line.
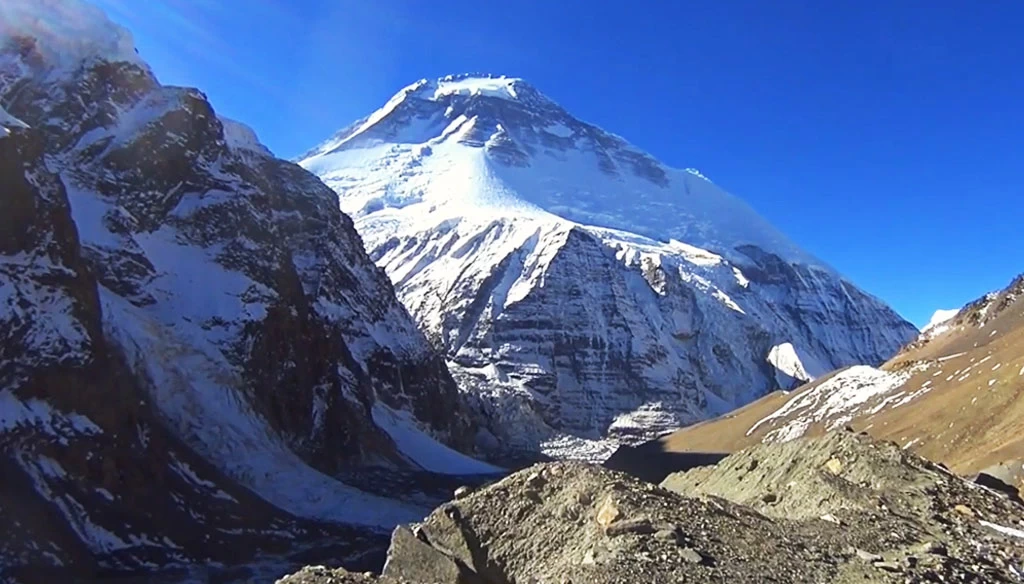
<point>840,508</point>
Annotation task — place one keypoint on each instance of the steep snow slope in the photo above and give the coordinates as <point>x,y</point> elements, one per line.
<point>182,310</point>
<point>579,287</point>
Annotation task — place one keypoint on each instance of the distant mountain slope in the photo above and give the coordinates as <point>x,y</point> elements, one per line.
<point>579,288</point>
<point>193,342</point>
<point>954,395</point>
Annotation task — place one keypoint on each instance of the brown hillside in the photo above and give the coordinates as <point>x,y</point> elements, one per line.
<point>954,398</point>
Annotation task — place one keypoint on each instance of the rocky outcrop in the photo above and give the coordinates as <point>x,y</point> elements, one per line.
<point>836,509</point>
<point>580,289</point>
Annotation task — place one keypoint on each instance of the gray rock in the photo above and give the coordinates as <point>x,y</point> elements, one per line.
<point>414,560</point>
<point>691,555</point>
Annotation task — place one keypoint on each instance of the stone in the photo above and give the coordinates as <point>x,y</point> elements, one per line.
<point>630,526</point>
<point>831,518</point>
<point>414,560</point>
<point>834,466</point>
<point>868,556</point>
<point>672,535</point>
<point>608,513</point>
<point>929,547</point>
<point>964,510</point>
<point>462,492</point>
<point>691,555</point>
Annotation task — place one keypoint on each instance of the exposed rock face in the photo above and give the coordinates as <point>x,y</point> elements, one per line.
<point>192,338</point>
<point>83,450</point>
<point>952,395</point>
<point>577,286</point>
<point>857,512</point>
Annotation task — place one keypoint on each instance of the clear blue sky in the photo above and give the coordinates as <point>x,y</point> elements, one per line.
<point>885,137</point>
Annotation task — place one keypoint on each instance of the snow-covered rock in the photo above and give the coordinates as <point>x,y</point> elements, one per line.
<point>577,285</point>
<point>939,323</point>
<point>193,341</point>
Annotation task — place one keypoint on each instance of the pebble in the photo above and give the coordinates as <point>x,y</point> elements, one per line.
<point>608,513</point>
<point>868,556</point>
<point>691,555</point>
<point>834,466</point>
<point>964,510</point>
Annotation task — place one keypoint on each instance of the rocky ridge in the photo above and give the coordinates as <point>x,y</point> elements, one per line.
<point>841,508</point>
<point>952,395</point>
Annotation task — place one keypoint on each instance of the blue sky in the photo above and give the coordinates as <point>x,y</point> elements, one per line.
<point>885,137</point>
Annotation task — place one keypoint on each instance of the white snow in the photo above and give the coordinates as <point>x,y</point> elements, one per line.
<point>8,121</point>
<point>940,317</point>
<point>832,402</point>
<point>569,447</point>
<point>1002,529</point>
<point>740,278</point>
<point>939,323</point>
<point>424,450</point>
<point>559,129</point>
<point>503,87</point>
<point>66,32</point>
<point>392,172</point>
<point>33,412</point>
<point>42,470</point>
<point>241,137</point>
<point>790,367</point>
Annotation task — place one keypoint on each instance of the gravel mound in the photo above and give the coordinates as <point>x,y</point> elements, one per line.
<point>834,509</point>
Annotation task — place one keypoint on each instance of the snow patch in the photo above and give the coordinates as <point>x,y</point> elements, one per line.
<point>833,402</point>
<point>502,87</point>
<point>243,138</point>
<point>939,323</point>
<point>1004,530</point>
<point>788,366</point>
<point>423,449</point>
<point>7,121</point>
<point>39,414</point>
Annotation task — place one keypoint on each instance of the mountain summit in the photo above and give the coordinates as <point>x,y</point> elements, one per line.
<point>529,154</point>
<point>580,288</point>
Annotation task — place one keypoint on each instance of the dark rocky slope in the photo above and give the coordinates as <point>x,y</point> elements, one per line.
<point>193,342</point>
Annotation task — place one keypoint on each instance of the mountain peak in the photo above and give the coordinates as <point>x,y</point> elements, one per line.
<point>464,143</point>
<point>468,84</point>
<point>472,85</point>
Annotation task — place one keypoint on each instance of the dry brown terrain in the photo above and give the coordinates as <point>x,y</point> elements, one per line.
<point>954,398</point>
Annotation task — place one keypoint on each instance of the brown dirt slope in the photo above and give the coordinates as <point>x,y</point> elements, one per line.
<point>954,398</point>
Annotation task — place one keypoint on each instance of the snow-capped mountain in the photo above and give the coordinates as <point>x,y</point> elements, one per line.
<point>193,341</point>
<point>579,287</point>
